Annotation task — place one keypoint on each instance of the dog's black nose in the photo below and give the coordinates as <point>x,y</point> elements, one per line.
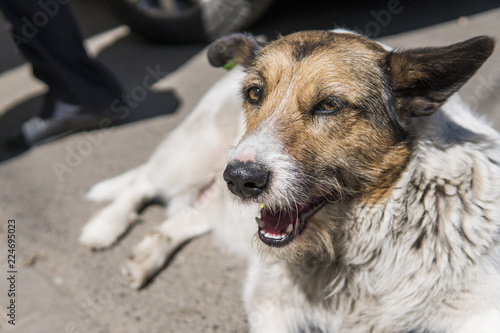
<point>247,180</point>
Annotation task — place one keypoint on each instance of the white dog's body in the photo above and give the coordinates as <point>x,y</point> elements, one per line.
<point>451,284</point>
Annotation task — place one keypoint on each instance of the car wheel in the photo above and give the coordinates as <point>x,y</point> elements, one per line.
<point>185,21</point>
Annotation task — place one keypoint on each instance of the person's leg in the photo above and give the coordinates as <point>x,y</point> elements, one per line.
<point>81,90</point>
<point>46,32</point>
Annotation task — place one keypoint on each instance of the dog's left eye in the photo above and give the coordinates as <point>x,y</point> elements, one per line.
<point>254,95</point>
<point>328,106</point>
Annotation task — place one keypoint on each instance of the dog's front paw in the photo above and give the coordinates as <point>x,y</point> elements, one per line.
<point>100,192</point>
<point>104,230</point>
<point>147,259</point>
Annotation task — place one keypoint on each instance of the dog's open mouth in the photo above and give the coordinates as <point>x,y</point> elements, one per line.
<point>281,227</point>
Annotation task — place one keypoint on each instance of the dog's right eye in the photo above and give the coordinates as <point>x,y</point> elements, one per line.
<point>327,107</point>
<point>254,95</point>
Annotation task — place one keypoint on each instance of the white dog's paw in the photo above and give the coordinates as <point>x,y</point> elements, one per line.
<point>100,192</point>
<point>147,259</point>
<point>104,230</point>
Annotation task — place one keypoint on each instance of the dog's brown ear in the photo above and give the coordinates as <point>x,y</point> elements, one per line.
<point>238,48</point>
<point>423,79</point>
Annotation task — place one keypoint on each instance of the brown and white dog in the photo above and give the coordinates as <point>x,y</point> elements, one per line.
<point>375,190</point>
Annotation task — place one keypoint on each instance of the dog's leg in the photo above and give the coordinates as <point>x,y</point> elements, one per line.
<point>268,309</point>
<point>185,162</point>
<point>150,255</point>
<point>109,189</point>
<point>107,226</point>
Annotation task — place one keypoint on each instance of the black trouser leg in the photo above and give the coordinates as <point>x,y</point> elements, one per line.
<point>46,33</point>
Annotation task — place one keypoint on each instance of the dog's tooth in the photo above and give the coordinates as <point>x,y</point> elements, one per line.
<point>276,237</point>
<point>289,228</point>
<point>260,222</point>
<point>268,235</point>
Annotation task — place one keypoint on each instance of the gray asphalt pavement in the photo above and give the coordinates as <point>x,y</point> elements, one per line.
<point>62,286</point>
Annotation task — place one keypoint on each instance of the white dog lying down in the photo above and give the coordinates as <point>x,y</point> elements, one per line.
<point>365,194</point>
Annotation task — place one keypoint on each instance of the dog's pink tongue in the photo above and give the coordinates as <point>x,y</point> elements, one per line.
<point>276,223</point>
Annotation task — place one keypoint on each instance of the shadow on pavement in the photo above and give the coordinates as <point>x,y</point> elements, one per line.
<point>131,59</point>
<point>156,104</point>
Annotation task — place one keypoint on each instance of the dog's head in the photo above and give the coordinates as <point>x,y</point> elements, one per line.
<point>327,119</point>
